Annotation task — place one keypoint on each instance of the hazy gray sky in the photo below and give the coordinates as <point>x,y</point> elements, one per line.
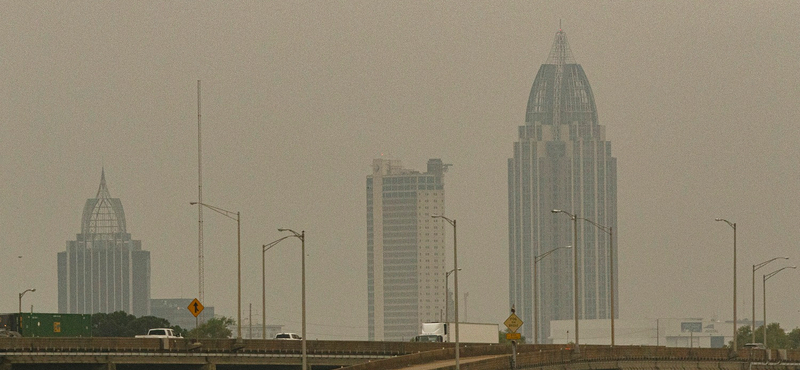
<point>700,101</point>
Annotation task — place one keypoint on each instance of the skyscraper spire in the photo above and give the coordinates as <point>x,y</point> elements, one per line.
<point>561,94</point>
<point>103,215</point>
<point>560,52</point>
<point>102,191</point>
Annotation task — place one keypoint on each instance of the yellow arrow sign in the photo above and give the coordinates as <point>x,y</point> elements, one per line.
<point>195,307</point>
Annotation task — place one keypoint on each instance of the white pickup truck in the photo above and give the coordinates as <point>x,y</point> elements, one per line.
<point>159,333</point>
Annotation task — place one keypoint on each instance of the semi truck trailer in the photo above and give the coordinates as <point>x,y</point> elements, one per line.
<point>467,332</point>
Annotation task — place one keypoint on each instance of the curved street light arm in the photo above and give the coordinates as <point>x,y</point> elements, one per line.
<point>452,223</point>
<point>545,254</point>
<point>267,247</point>
<point>771,274</point>
<point>605,229</point>
<point>731,224</point>
<point>295,233</point>
<point>565,212</point>
<point>229,214</point>
<point>762,264</point>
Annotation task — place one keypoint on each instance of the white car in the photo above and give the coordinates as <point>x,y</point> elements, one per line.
<point>288,336</point>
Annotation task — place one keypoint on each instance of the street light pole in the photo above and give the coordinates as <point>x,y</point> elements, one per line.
<point>574,270</point>
<point>20,298</point>
<point>536,291</point>
<point>756,267</point>
<point>455,282</point>
<point>610,231</point>
<point>735,323</point>
<point>230,214</point>
<point>766,277</point>
<point>19,324</point>
<point>264,249</point>
<point>446,296</point>
<point>302,236</point>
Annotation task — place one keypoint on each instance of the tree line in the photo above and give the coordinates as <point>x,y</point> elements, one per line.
<point>122,324</point>
<point>777,338</point>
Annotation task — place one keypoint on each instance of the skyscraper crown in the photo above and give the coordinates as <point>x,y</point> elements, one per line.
<point>103,216</point>
<point>561,94</point>
<point>560,52</point>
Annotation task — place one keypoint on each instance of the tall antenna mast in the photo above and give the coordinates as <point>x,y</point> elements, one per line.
<point>200,268</point>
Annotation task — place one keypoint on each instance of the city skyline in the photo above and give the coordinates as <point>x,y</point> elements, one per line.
<point>700,100</point>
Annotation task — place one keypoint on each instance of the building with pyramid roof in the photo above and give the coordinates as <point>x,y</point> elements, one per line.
<point>103,269</point>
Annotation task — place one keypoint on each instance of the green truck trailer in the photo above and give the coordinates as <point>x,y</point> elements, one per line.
<point>46,325</point>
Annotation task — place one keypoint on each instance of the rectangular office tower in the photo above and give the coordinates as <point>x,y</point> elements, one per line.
<point>562,161</point>
<point>405,249</point>
<point>103,270</point>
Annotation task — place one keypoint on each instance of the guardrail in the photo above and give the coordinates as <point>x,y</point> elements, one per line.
<point>97,344</point>
<point>540,356</point>
<point>388,355</point>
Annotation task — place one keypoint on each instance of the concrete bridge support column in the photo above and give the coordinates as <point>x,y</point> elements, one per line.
<point>209,366</point>
<point>107,366</point>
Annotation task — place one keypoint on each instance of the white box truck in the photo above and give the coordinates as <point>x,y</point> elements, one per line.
<point>468,332</point>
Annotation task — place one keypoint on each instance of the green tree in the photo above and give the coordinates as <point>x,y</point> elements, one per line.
<point>142,324</point>
<point>115,324</point>
<point>213,328</point>
<point>743,335</point>
<point>776,337</point>
<point>794,338</point>
<point>501,335</point>
<point>121,324</point>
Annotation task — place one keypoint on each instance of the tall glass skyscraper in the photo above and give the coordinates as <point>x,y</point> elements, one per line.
<point>103,270</point>
<point>562,160</point>
<point>405,249</point>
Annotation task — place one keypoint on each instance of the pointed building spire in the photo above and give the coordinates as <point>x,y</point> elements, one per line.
<point>102,192</point>
<point>560,53</point>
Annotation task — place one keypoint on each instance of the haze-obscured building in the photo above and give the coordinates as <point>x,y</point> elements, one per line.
<point>405,248</point>
<point>670,332</point>
<point>103,269</point>
<point>562,160</point>
<point>176,311</point>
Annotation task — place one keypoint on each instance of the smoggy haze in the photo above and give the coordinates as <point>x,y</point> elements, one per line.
<point>700,100</point>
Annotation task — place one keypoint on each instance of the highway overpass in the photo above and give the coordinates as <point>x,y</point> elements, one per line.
<point>224,354</point>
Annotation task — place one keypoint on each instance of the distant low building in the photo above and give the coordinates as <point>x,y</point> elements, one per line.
<point>669,332</point>
<point>176,311</point>
<point>253,331</point>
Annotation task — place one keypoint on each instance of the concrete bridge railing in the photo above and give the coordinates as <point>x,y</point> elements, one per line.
<point>554,357</point>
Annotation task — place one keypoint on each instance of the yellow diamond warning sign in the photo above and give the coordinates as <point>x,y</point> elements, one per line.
<point>513,322</point>
<point>195,307</point>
